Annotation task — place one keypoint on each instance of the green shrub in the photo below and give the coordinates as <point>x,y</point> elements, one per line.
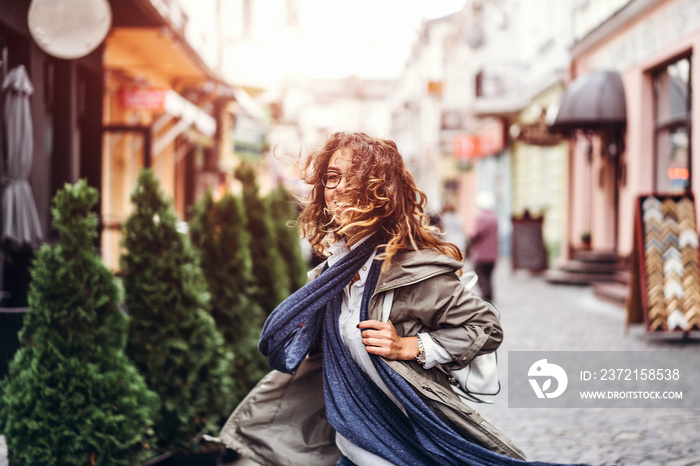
<point>283,209</point>
<point>271,280</point>
<point>72,396</point>
<point>172,338</point>
<point>219,234</point>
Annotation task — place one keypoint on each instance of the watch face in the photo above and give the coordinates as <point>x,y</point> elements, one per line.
<point>420,357</point>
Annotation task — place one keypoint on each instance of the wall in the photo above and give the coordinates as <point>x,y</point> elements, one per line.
<point>65,112</point>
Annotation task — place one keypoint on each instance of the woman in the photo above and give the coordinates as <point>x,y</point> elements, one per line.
<point>390,314</point>
<point>483,243</point>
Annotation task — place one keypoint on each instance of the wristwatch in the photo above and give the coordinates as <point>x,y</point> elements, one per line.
<point>420,357</point>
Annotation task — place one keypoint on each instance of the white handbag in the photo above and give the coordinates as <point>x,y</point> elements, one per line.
<point>480,376</point>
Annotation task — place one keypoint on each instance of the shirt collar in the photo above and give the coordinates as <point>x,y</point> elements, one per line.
<point>340,249</point>
<point>364,270</point>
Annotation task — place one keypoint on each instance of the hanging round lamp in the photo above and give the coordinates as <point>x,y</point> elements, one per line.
<point>69,29</point>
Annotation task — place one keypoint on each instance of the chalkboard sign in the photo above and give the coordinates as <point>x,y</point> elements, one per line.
<point>528,243</point>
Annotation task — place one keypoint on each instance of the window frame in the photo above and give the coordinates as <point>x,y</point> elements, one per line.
<point>669,124</point>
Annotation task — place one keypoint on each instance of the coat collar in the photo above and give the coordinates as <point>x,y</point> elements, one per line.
<point>409,267</point>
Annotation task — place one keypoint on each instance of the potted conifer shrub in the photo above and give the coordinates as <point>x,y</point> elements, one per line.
<point>586,240</point>
<point>219,234</point>
<point>72,396</point>
<point>271,280</point>
<point>173,340</point>
<point>284,214</point>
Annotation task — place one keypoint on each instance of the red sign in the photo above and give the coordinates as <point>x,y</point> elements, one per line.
<point>678,173</point>
<point>491,137</point>
<point>466,146</point>
<point>489,141</point>
<point>141,98</point>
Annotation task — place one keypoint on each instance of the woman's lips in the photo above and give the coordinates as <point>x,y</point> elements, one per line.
<point>338,206</point>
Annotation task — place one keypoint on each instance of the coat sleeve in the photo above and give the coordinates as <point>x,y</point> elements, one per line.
<point>454,317</point>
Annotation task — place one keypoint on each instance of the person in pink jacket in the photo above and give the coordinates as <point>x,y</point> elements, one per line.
<point>483,243</point>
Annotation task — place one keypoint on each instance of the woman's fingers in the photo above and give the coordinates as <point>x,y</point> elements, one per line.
<point>381,338</point>
<point>372,324</point>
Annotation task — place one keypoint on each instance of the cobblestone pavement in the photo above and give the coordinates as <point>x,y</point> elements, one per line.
<point>538,316</point>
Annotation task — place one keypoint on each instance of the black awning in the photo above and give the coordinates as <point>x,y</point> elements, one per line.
<point>593,101</point>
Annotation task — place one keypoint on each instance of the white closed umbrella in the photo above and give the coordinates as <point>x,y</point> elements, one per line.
<point>20,222</point>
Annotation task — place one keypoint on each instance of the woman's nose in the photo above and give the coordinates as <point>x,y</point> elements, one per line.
<point>341,185</point>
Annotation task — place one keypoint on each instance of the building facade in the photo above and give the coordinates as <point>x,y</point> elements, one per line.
<point>653,45</point>
<point>145,97</point>
<point>500,66</point>
<point>159,112</point>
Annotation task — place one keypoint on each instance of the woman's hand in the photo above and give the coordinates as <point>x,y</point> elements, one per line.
<point>380,338</point>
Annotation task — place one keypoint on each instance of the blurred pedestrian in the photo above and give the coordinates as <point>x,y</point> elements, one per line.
<point>453,227</point>
<point>389,308</point>
<point>483,243</point>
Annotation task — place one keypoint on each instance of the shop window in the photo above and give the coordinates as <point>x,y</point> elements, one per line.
<point>672,119</point>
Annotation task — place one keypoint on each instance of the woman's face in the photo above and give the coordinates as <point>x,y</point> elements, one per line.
<point>335,179</point>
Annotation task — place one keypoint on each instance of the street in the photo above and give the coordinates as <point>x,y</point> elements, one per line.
<point>540,316</point>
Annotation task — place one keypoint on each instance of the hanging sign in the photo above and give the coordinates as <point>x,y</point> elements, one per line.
<point>69,29</point>
<point>139,98</point>
<point>491,137</point>
<point>489,141</point>
<point>537,134</point>
<point>465,146</point>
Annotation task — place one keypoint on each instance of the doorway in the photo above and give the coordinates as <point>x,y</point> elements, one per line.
<point>126,150</point>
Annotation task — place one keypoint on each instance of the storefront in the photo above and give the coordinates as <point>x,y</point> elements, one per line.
<point>65,117</point>
<point>653,47</point>
<point>486,162</point>
<point>63,128</point>
<point>540,168</point>
<point>156,90</point>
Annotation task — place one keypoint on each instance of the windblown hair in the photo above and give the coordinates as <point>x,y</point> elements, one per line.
<point>381,195</point>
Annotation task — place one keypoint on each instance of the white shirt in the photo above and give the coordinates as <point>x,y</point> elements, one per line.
<point>351,336</point>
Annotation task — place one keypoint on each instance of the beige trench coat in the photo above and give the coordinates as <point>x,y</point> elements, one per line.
<point>282,421</point>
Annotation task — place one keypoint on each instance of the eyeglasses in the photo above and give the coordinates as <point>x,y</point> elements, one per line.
<point>331,179</point>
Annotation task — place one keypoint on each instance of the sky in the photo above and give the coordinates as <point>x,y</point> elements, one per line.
<point>335,39</point>
<point>367,38</point>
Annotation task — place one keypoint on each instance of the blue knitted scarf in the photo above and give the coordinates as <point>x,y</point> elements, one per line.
<point>355,406</point>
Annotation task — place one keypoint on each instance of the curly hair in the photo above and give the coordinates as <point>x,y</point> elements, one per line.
<point>381,195</point>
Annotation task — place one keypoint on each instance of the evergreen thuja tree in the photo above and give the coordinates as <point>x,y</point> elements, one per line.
<point>219,233</point>
<point>72,396</point>
<point>173,340</point>
<point>271,280</point>
<point>284,212</point>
